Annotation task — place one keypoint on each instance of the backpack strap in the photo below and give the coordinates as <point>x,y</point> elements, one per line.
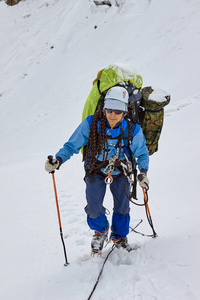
<point>135,130</point>
<point>127,141</point>
<point>98,85</point>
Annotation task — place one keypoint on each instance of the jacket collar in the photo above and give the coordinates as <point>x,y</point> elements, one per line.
<point>117,130</point>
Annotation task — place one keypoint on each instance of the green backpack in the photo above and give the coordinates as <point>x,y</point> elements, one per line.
<point>145,104</point>
<point>114,74</point>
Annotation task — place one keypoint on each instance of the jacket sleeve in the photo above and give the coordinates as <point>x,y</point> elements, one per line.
<point>139,150</point>
<point>78,139</point>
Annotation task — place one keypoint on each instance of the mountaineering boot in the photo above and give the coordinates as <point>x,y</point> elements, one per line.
<point>122,243</point>
<point>97,242</point>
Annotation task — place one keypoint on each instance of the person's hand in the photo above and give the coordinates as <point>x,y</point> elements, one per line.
<point>51,164</point>
<point>143,180</point>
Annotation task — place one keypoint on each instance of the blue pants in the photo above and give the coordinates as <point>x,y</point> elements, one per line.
<point>95,210</point>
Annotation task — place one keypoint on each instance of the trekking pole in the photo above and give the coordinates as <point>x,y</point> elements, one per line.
<point>148,211</point>
<point>58,211</point>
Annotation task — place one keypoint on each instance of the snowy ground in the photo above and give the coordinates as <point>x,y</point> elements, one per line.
<point>50,53</point>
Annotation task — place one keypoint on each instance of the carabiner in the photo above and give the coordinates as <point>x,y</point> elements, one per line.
<point>109,179</point>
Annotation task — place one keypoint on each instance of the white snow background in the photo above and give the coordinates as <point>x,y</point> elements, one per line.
<point>50,52</point>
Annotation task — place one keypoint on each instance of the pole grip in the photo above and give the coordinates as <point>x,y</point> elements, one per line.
<point>50,158</point>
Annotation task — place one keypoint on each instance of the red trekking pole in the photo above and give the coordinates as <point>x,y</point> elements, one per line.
<point>58,211</point>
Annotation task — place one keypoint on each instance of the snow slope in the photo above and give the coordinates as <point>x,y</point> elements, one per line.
<point>50,53</point>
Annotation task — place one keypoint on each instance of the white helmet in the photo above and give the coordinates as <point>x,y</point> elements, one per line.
<point>117,98</point>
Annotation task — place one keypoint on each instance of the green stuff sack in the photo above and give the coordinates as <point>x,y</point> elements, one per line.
<point>153,101</point>
<point>106,78</point>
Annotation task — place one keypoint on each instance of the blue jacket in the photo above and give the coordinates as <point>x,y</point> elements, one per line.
<point>80,137</point>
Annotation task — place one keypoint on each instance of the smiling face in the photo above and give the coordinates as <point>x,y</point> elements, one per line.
<point>113,119</point>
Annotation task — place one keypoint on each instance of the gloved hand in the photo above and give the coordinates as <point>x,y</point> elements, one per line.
<point>143,180</point>
<point>51,164</point>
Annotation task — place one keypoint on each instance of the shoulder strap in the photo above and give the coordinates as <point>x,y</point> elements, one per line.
<point>98,85</point>
<point>134,131</point>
